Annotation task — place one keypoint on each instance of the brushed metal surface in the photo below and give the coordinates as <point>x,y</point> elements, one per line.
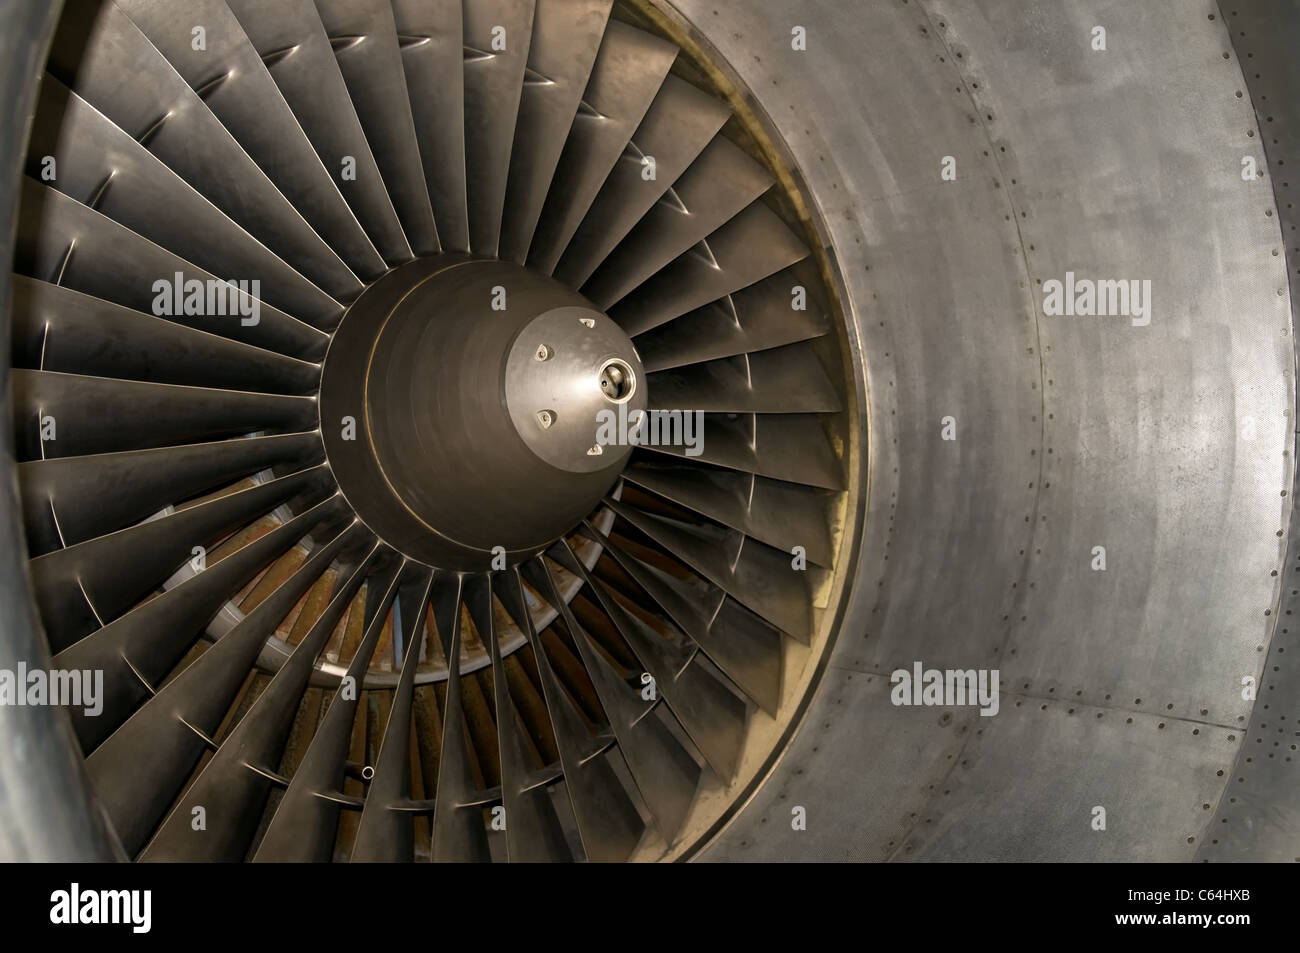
<point>1258,815</point>
<point>1168,444</point>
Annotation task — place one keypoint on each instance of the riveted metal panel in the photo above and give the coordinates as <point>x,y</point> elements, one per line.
<point>1168,442</point>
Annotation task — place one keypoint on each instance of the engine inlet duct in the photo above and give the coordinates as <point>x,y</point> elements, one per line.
<point>432,421</point>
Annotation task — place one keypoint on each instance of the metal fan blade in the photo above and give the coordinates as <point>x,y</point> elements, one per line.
<point>102,166</point>
<point>751,246</point>
<point>497,36</point>
<point>81,588</point>
<point>365,36</point>
<point>67,500</point>
<point>790,447</point>
<point>458,831</point>
<point>58,329</point>
<point>533,831</point>
<point>305,821</point>
<point>665,774</point>
<point>764,315</point>
<point>291,40</point>
<point>629,69</point>
<point>66,243</point>
<point>721,181</point>
<point>67,415</point>
<point>232,788</point>
<point>681,121</point>
<point>758,576</point>
<point>432,39</point>
<point>236,85</point>
<point>566,37</point>
<point>785,380</point>
<point>779,514</point>
<point>174,726</point>
<point>125,77</point>
<point>745,647</point>
<point>137,650</point>
<point>707,710</point>
<point>608,822</point>
<point>386,833</point>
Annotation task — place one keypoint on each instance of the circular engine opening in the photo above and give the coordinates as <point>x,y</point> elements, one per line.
<point>617,381</point>
<point>397,458</point>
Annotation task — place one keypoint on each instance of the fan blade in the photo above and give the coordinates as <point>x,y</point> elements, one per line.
<point>533,832</point>
<point>176,726</point>
<point>757,576</point>
<point>64,242</point>
<point>236,85</point>
<point>306,820</point>
<point>125,77</point>
<point>665,775</point>
<point>81,588</point>
<point>101,166</point>
<point>746,648</point>
<point>68,500</point>
<point>711,715</point>
<point>173,728</point>
<point>608,822</point>
<point>779,514</point>
<point>750,247</point>
<point>721,181</point>
<point>681,121</point>
<point>784,380</point>
<point>497,36</point>
<point>458,831</point>
<point>386,833</point>
<point>80,415</point>
<point>290,38</point>
<point>432,38</point>
<point>790,447</point>
<point>136,651</point>
<point>365,43</point>
<point>566,37</point>
<point>630,68</point>
<point>233,787</point>
<point>764,315</point>
<point>58,329</point>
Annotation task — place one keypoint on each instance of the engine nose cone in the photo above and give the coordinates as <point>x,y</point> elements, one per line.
<point>569,370</point>
<point>462,403</point>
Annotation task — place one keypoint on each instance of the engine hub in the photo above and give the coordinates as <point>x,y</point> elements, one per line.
<point>460,404</point>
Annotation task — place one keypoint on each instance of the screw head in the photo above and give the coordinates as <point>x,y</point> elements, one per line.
<point>543,353</point>
<point>546,418</point>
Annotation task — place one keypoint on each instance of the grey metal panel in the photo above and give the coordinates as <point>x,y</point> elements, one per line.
<point>1029,780</point>
<point>1258,817</point>
<point>1166,443</point>
<point>977,550</point>
<point>852,815</point>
